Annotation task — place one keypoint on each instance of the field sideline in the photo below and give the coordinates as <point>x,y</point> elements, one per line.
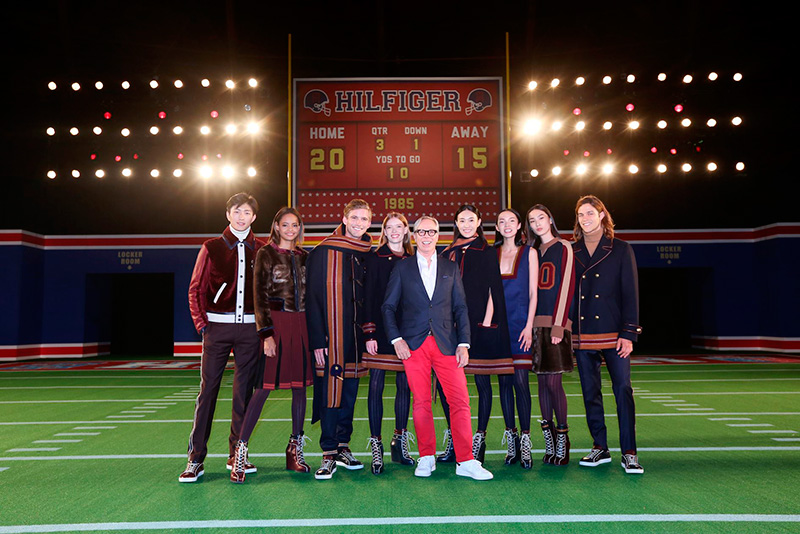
<point>99,448</point>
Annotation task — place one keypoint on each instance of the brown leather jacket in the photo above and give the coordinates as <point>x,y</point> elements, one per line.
<point>279,284</point>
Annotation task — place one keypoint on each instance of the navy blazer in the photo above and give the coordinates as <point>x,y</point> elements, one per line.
<point>606,304</point>
<point>445,315</point>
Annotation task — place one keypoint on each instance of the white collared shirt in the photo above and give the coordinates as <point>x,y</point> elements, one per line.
<point>428,273</point>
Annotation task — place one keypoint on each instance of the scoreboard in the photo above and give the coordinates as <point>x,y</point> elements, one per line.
<point>418,146</point>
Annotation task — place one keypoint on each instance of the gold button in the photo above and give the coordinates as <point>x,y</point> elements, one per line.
<point>596,316</point>
<point>597,275</point>
<point>581,317</point>
<point>597,296</point>
<point>584,277</point>
<point>582,297</point>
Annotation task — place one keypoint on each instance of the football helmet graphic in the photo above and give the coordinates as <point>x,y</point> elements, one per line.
<point>317,101</point>
<point>479,99</point>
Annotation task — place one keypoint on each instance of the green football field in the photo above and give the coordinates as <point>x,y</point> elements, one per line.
<point>101,450</point>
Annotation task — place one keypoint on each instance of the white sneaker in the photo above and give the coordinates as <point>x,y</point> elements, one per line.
<point>474,470</point>
<point>425,466</point>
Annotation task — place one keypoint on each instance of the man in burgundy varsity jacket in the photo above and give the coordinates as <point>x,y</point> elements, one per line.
<point>221,303</point>
<point>605,325</point>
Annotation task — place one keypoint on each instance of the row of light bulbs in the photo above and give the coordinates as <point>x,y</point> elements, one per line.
<point>206,171</point>
<point>534,126</point>
<point>631,78</point>
<point>154,84</point>
<point>231,129</point>
<point>608,169</point>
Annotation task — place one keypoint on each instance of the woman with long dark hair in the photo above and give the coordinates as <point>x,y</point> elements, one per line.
<point>279,284</point>
<point>519,267</point>
<point>552,354</point>
<point>490,348</point>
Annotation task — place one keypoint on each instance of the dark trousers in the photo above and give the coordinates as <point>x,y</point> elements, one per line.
<point>336,424</point>
<point>218,340</point>
<point>620,371</point>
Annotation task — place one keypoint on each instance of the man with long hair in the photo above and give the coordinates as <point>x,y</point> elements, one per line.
<point>605,325</point>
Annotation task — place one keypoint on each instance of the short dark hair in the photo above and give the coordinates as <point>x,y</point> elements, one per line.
<point>242,198</point>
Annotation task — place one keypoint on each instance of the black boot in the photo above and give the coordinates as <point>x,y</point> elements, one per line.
<point>549,442</point>
<point>479,445</point>
<point>511,439</point>
<point>449,454</point>
<point>525,450</point>
<point>400,448</point>
<point>561,456</point>
<point>376,447</point>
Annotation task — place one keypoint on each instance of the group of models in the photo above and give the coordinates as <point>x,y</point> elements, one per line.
<point>325,318</point>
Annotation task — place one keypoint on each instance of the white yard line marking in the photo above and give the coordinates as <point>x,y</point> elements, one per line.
<point>286,419</point>
<point>121,416</point>
<point>773,431</point>
<point>94,428</point>
<point>78,433</point>
<point>366,454</point>
<point>316,522</point>
<point>785,439</point>
<point>137,411</point>
<point>4,468</point>
<point>686,404</point>
<point>58,441</point>
<point>656,397</point>
<point>730,419</point>
<point>148,408</point>
<point>695,409</point>
<point>743,425</point>
<point>160,403</point>
<point>35,449</point>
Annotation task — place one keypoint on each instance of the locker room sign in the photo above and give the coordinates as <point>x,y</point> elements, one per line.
<point>418,146</point>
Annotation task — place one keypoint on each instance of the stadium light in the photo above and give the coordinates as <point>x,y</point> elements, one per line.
<point>230,84</point>
<point>580,80</point>
<point>532,85</point>
<point>126,85</point>
<point>76,173</point>
<point>633,169</point>
<point>661,168</point>
<point>205,82</point>
<point>100,173</point>
<point>178,84</point>
<point>736,121</point>
<point>52,86</point>
<point>252,82</point>
<point>52,175</point>
<point>51,131</point>
<point>534,173</point>
<point>126,172</point>
<point>98,85</point>
<point>76,86</point>
<point>251,172</point>
<point>607,125</point>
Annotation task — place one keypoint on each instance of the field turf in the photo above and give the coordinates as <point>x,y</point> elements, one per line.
<point>101,451</point>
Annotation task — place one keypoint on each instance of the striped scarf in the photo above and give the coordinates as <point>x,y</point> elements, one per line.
<point>337,244</point>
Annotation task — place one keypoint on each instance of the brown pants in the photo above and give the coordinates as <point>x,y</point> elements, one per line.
<point>218,340</point>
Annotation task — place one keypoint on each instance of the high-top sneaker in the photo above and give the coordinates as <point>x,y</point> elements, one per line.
<point>400,447</point>
<point>511,439</point>
<point>549,442</point>
<point>239,462</point>
<point>328,467</point>
<point>346,459</point>
<point>479,445</point>
<point>376,447</point>
<point>562,446</point>
<point>449,454</point>
<point>525,447</point>
<point>295,461</point>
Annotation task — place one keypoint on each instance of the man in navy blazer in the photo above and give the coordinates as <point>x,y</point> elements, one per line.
<point>433,334</point>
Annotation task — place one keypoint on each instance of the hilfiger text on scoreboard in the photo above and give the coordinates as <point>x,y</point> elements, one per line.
<point>421,146</point>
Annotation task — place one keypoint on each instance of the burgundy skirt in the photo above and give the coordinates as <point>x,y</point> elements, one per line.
<point>291,366</point>
<point>549,358</point>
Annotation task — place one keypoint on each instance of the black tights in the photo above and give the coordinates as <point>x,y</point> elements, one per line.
<point>552,398</point>
<point>256,404</point>
<point>508,384</point>
<point>402,400</point>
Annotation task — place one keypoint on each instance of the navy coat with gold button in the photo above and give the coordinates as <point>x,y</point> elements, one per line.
<point>606,305</point>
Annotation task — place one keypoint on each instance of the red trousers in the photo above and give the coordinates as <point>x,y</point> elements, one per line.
<point>454,383</point>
